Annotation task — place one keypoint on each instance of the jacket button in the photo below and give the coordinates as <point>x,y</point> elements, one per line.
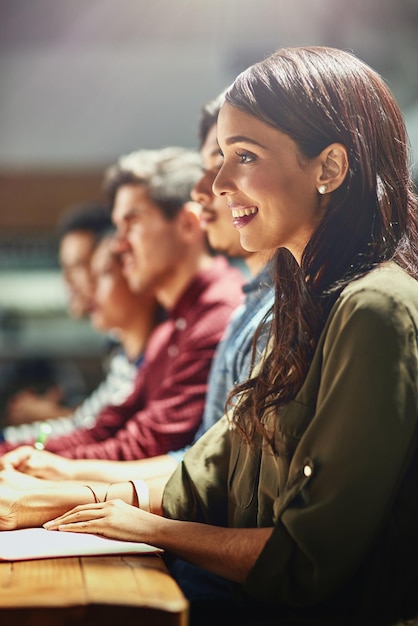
<point>173,351</point>
<point>180,323</point>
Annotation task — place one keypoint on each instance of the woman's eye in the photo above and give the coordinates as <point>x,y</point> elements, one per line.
<point>245,157</point>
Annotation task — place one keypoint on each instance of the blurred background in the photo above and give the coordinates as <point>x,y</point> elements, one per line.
<point>84,81</point>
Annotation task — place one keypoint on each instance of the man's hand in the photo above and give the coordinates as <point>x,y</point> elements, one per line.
<point>13,479</point>
<point>27,406</point>
<point>13,488</point>
<point>16,458</point>
<point>9,498</point>
<point>38,463</point>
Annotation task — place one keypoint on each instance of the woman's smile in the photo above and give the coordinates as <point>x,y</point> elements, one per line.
<point>242,215</point>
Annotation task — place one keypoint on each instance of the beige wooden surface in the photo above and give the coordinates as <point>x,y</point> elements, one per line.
<point>90,591</point>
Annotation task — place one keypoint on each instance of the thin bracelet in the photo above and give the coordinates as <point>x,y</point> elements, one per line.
<point>142,491</point>
<point>96,499</point>
<point>106,492</point>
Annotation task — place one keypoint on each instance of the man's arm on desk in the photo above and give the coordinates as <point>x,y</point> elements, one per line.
<point>50,466</point>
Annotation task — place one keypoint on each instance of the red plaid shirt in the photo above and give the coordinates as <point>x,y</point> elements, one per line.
<point>166,407</point>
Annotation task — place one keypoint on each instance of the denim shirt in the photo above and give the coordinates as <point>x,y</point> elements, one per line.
<point>232,361</point>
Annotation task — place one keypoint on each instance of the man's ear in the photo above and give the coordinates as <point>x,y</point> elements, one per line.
<point>333,168</point>
<point>190,216</point>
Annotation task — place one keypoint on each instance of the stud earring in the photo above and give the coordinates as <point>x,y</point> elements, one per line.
<point>322,189</point>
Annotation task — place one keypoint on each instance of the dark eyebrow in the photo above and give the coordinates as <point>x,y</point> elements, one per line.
<point>131,214</point>
<point>242,139</point>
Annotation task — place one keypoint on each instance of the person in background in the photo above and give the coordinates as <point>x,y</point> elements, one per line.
<point>163,248</point>
<point>301,502</point>
<point>129,318</point>
<point>77,231</point>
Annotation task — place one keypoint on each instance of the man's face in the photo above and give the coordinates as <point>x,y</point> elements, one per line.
<point>149,244</point>
<point>75,253</point>
<point>112,300</point>
<point>216,216</point>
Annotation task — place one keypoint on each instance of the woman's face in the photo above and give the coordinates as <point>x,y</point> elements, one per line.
<point>271,188</point>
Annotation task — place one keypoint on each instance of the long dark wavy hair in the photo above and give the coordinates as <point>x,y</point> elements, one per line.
<point>318,96</point>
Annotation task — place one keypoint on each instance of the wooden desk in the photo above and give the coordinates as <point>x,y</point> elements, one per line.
<point>90,591</point>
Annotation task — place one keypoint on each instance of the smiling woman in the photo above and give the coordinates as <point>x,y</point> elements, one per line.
<point>320,188</point>
<point>327,186</point>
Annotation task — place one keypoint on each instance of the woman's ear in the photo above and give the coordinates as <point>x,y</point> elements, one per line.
<point>334,168</point>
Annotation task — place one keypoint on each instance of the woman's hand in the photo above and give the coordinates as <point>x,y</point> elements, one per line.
<point>113,519</point>
<point>38,463</point>
<point>227,552</point>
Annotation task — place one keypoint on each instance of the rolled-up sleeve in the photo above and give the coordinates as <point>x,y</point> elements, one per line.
<point>197,491</point>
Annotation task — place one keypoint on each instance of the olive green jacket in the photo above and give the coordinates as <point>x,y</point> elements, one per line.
<point>342,492</point>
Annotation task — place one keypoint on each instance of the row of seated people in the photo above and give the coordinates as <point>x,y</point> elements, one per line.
<point>96,288</point>
<point>106,432</point>
<point>180,348</point>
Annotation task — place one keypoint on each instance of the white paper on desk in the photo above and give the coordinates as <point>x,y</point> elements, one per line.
<point>38,543</point>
